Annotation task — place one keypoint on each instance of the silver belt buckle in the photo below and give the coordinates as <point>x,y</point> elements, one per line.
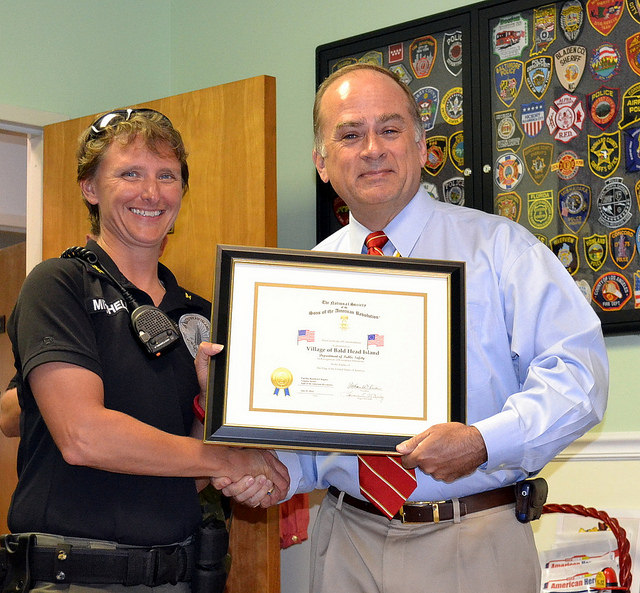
<point>434,505</point>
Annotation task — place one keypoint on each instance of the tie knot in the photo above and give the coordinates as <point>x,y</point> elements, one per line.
<point>375,242</point>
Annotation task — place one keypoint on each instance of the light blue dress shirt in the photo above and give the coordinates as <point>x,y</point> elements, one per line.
<point>537,369</point>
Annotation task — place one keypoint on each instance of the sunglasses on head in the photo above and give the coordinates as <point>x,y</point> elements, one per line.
<point>119,115</point>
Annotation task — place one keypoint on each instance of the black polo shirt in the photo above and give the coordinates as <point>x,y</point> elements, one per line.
<point>67,311</point>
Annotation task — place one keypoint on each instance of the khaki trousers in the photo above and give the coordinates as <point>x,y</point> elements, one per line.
<point>353,551</point>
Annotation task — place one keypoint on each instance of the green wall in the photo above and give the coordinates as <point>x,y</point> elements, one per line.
<point>83,56</point>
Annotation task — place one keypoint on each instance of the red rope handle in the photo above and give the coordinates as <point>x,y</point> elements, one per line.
<point>618,531</point>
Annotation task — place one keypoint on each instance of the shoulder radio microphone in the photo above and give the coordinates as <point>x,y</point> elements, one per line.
<point>153,328</point>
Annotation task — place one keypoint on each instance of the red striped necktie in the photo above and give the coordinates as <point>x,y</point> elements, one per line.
<point>383,480</point>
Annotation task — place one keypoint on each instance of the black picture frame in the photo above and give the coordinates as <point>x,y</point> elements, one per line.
<point>239,271</point>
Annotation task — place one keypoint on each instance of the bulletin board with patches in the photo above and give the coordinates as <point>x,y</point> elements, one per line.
<point>430,56</point>
<point>564,151</point>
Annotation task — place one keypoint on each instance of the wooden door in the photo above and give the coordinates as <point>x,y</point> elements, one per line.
<point>230,133</point>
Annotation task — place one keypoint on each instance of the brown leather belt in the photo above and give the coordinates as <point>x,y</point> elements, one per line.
<point>434,512</point>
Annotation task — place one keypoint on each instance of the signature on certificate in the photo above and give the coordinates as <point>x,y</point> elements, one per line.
<point>365,391</point>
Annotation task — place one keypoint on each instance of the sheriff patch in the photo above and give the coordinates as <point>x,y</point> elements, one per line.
<point>574,205</point>
<point>623,247</point>
<point>595,250</point>
<point>508,80</point>
<point>565,118</point>
<point>614,203</point>
<point>538,73</point>
<point>544,29</point>
<point>427,98</point>
<point>510,36</point>
<point>570,63</point>
<point>509,135</point>
<point>537,160</point>
<point>508,205</point>
<point>566,249</point>
<point>604,14</point>
<point>611,291</point>
<point>509,171</point>
<point>604,153</point>
<point>456,149</point>
<point>532,118</point>
<point>605,61</point>
<point>568,165</point>
<point>602,106</point>
<point>571,20</point>
<point>451,106</point>
<point>453,191</point>
<point>423,53</point>
<point>540,208</point>
<point>194,329</point>
<point>452,52</point>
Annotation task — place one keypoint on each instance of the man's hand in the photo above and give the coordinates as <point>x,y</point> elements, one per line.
<point>445,451</point>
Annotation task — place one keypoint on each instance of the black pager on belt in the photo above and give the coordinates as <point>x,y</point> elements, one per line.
<point>212,544</point>
<point>530,498</point>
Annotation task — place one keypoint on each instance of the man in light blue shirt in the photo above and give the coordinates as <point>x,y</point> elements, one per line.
<point>537,371</point>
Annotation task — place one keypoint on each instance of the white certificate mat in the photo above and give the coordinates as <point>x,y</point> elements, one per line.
<point>326,351</point>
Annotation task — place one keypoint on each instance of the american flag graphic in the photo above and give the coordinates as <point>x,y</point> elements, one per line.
<point>375,340</point>
<point>307,335</point>
<point>636,289</point>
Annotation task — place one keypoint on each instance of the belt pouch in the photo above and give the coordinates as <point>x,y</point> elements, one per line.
<point>211,544</point>
<point>16,550</point>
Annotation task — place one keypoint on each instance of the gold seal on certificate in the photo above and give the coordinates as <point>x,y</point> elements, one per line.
<point>281,379</point>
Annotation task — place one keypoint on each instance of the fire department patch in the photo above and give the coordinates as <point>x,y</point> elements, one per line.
<point>630,107</point>
<point>540,208</point>
<point>544,29</point>
<point>427,98</point>
<point>571,20</point>
<point>595,250</point>
<point>611,291</point>
<point>452,52</point>
<point>456,149</point>
<point>508,80</point>
<point>508,171</point>
<point>623,247</point>
<point>574,205</point>
<point>632,151</point>
<point>453,191</point>
<point>508,205</point>
<point>340,210</point>
<point>567,165</point>
<point>605,61</point>
<point>614,203</point>
<point>604,153</point>
<point>537,160</point>
<point>570,63</point>
<point>436,154</point>
<point>604,14</point>
<point>509,135</point>
<point>566,249</point>
<point>602,106</point>
<point>423,53</point>
<point>451,107</point>
<point>538,73</point>
<point>510,36</point>
<point>565,118</point>
<point>532,118</point>
<point>633,52</point>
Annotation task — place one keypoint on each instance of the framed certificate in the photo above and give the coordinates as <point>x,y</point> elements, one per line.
<point>328,351</point>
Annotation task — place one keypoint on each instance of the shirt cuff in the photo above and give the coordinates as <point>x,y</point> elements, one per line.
<point>503,440</point>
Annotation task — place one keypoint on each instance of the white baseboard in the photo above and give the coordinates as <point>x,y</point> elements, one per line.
<point>606,446</point>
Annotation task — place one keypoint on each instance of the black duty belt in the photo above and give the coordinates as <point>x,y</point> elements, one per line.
<point>434,512</point>
<point>67,563</point>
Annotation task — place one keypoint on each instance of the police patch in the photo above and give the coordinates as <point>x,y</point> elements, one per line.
<point>452,52</point>
<point>611,291</point>
<point>544,29</point>
<point>540,208</point>
<point>427,98</point>
<point>633,6</point>
<point>602,106</point>
<point>633,52</point>
<point>604,153</point>
<point>623,247</point>
<point>451,106</point>
<point>436,154</point>
<point>342,63</point>
<point>509,171</point>
<point>605,61</point>
<point>508,205</point>
<point>423,55</point>
<point>571,19</point>
<point>508,80</point>
<point>595,250</point>
<point>567,165</point>
<point>372,57</point>
<point>614,203</point>
<point>565,248</point>
<point>453,191</point>
<point>509,135</point>
<point>194,329</point>
<point>456,149</point>
<point>570,63</point>
<point>632,151</point>
<point>538,73</point>
<point>630,107</point>
<point>574,205</point>
<point>604,14</point>
<point>532,118</point>
<point>565,118</point>
<point>585,289</point>
<point>537,160</point>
